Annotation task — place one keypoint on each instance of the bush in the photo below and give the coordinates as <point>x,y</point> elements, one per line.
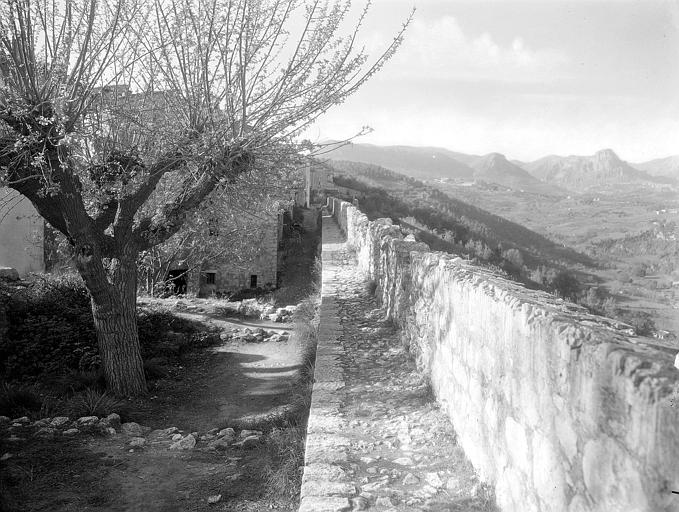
<point>93,402</point>
<point>285,447</point>
<point>18,401</point>
<point>50,329</point>
<point>51,334</point>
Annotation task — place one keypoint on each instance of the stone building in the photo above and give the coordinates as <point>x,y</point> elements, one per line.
<point>22,234</point>
<point>260,271</point>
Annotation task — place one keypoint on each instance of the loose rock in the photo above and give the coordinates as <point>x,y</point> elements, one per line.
<point>185,443</point>
<point>87,421</point>
<point>59,421</point>
<point>137,442</point>
<point>132,429</point>
<point>214,499</point>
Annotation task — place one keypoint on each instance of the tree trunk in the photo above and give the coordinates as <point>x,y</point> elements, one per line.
<point>114,308</point>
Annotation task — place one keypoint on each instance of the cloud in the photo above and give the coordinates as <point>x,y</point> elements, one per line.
<point>440,49</point>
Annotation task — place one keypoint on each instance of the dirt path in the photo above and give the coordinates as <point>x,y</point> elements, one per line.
<point>236,384</point>
<point>239,384</point>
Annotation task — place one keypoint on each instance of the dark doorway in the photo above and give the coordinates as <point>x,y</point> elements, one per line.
<point>253,281</point>
<point>176,281</point>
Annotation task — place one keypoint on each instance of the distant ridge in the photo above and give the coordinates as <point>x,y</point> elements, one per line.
<point>550,175</point>
<point>668,167</point>
<point>495,168</point>
<point>581,173</point>
<point>417,162</point>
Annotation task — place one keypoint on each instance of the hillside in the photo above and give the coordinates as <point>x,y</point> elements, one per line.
<point>668,167</point>
<point>581,173</point>
<point>391,194</point>
<point>495,168</point>
<point>420,163</point>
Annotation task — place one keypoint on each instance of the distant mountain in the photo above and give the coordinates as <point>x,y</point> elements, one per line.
<point>390,194</point>
<point>668,167</point>
<point>417,162</point>
<point>580,173</point>
<point>495,168</point>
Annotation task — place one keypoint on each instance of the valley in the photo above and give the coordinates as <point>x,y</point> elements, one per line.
<point>614,226</point>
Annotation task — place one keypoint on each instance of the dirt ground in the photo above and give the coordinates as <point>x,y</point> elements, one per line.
<point>236,384</point>
<point>253,385</point>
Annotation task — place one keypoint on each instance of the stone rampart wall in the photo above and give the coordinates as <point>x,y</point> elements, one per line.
<point>560,409</point>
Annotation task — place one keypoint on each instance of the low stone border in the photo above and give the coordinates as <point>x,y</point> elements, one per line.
<point>325,485</point>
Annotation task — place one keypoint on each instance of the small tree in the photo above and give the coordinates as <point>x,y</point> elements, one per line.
<point>119,117</point>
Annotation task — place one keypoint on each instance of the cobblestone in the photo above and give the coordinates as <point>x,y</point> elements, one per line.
<point>376,438</point>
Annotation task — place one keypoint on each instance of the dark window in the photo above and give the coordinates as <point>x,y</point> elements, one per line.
<point>176,281</point>
<point>253,281</point>
<point>210,278</point>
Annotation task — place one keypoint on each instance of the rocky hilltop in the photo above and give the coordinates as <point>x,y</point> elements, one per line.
<point>495,168</point>
<point>580,173</point>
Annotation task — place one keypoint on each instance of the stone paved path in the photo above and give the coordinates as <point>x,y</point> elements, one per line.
<point>377,439</point>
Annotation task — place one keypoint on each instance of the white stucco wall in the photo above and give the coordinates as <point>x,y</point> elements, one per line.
<point>22,234</point>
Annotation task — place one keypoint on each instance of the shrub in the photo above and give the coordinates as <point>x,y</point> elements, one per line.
<point>51,333</point>
<point>285,447</point>
<point>93,402</point>
<point>18,401</point>
<point>50,329</point>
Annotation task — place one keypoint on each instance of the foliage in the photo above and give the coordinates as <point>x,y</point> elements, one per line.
<point>51,335</point>
<point>119,118</point>
<point>17,401</point>
<point>285,446</point>
<point>94,402</point>
<point>50,329</point>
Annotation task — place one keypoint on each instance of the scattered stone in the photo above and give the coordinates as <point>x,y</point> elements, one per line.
<point>221,444</point>
<point>213,431</point>
<point>248,433</point>
<point>185,443</point>
<point>9,273</point>
<point>227,432</point>
<point>164,432</point>
<point>248,443</point>
<point>374,486</point>
<point>214,499</point>
<point>132,429</point>
<point>384,501</point>
<point>109,431</point>
<point>360,503</point>
<point>434,480</point>
<point>4,420</point>
<point>71,432</point>
<point>59,421</point>
<point>6,456</point>
<point>176,437</point>
<point>404,461</point>
<point>112,420</point>
<point>86,421</point>
<point>41,423</point>
<point>137,442</point>
<point>46,433</point>
<point>410,479</point>
<point>23,419</point>
<point>15,439</point>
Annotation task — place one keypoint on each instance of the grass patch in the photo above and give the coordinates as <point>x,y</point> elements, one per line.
<point>47,475</point>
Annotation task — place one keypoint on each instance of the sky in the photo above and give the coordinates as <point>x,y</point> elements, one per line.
<point>522,78</point>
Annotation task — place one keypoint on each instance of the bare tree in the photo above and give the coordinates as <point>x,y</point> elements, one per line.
<point>119,117</point>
